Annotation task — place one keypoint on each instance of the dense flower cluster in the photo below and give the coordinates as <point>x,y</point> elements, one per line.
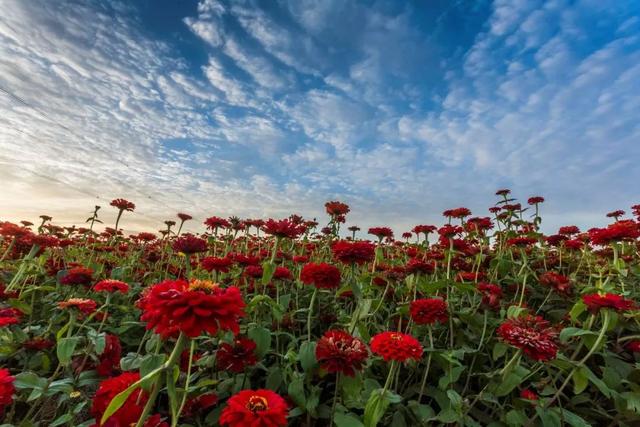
<point>192,308</point>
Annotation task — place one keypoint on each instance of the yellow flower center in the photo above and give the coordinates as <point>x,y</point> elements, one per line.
<point>257,403</point>
<point>203,285</point>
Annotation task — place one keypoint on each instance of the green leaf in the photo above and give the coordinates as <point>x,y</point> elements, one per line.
<point>98,340</point>
<point>580,380</point>
<point>262,338</point>
<point>347,420</point>
<point>307,356</point>
<point>117,401</point>
<point>422,412</point>
<point>65,349</point>
<point>274,379</point>
<point>572,419</point>
<point>578,308</point>
<point>267,271</point>
<point>499,349</point>
<point>61,420</point>
<point>296,391</point>
<point>28,381</point>
<point>149,364</point>
<point>574,332</point>
<point>548,418</point>
<point>516,418</point>
<point>375,408</point>
<point>455,399</point>
<point>511,381</point>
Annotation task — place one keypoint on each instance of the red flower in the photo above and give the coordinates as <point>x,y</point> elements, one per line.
<point>336,208</point>
<point>633,346</point>
<point>110,285</point>
<point>189,244</point>
<point>353,252</point>
<point>621,230</point>
<point>130,411</point>
<point>123,205</point>
<point>503,192</point>
<point>456,213</point>
<point>381,232</point>
<point>428,311</point>
<point>532,335</point>
<point>110,357</point>
<point>200,403</point>
<point>556,281</point>
<point>200,306</point>
<point>78,276</point>
<point>528,394</point>
<point>491,294</point>
<point>184,217</point>
<point>6,389</point>
<point>221,265</point>
<point>322,276</point>
<point>337,351</point>
<point>254,271</point>
<point>568,230</point>
<point>535,200</point>
<point>416,266</point>
<point>282,273</point>
<point>396,346</point>
<point>38,343</point>
<point>425,229</point>
<point>255,408</point>
<point>215,222</point>
<point>521,241</point>
<point>595,302</point>
<point>9,316</point>
<point>84,305</point>
<point>237,356</point>
<point>284,228</point>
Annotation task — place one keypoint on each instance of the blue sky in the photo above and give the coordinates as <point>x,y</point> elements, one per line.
<point>263,108</point>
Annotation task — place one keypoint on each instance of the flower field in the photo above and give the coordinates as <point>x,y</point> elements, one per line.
<point>478,321</point>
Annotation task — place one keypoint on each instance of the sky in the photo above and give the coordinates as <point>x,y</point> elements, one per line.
<point>266,108</point>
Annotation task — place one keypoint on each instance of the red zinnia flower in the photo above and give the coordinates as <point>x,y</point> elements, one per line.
<point>282,273</point>
<point>189,244</point>
<point>595,302</point>
<point>535,200</point>
<point>528,394</point>
<point>396,346</point>
<point>336,208</point>
<point>221,265</point>
<point>425,229</point>
<point>381,232</point>
<point>130,411</point>
<point>556,281</point>
<point>428,311</point>
<point>337,351</point>
<point>456,213</point>
<point>84,305</point>
<point>38,343</point>
<point>491,294</point>
<point>568,230</point>
<point>237,356</point>
<point>353,252</point>
<point>284,228</point>
<point>322,276</point>
<point>200,403</point>
<point>6,389</point>
<point>255,408</point>
<point>621,230</point>
<point>184,217</point>
<point>215,222</point>
<point>531,334</point>
<point>9,316</point>
<point>633,346</point>
<point>110,285</point>
<point>200,306</point>
<point>110,357</point>
<point>78,276</point>
<point>415,265</point>
<point>123,205</point>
